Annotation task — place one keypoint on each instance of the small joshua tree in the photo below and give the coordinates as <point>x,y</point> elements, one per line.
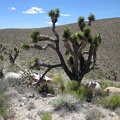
<point>13,54</point>
<point>79,60</point>
<point>2,49</point>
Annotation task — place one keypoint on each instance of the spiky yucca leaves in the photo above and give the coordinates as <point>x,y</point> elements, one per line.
<point>91,17</point>
<point>54,14</point>
<point>81,22</point>
<point>66,33</point>
<point>97,40</point>
<point>77,37</point>
<point>76,43</point>
<point>87,31</point>
<point>34,35</point>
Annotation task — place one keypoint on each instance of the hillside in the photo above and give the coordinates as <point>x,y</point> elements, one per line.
<point>108,52</point>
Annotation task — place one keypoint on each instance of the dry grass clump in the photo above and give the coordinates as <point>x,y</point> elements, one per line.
<point>94,114</point>
<point>67,101</point>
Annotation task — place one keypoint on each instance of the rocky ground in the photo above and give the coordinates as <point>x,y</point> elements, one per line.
<point>27,104</point>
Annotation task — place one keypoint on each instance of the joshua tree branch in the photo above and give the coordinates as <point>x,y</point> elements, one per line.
<point>82,46</point>
<point>46,65</point>
<point>46,38</point>
<point>49,67</point>
<point>68,47</point>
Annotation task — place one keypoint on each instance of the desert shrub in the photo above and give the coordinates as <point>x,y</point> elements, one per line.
<point>93,114</point>
<point>46,116</point>
<point>105,83</point>
<point>111,102</point>
<point>3,86</point>
<point>88,94</point>
<point>61,85</point>
<point>4,106</point>
<point>66,101</point>
<point>72,86</point>
<point>5,113</point>
<point>46,88</point>
<point>81,92</point>
<point>13,82</point>
<point>25,46</point>
<point>34,35</point>
<point>100,93</point>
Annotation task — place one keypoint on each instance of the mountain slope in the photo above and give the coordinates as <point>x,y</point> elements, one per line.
<point>108,52</point>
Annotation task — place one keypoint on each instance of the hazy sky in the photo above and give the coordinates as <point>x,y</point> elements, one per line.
<point>34,13</point>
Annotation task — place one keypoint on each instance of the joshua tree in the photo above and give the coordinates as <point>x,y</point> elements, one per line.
<point>79,60</point>
<point>13,54</point>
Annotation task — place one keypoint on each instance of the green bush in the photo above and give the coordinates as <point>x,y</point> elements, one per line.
<point>61,86</point>
<point>46,88</point>
<point>72,86</point>
<point>5,113</point>
<point>105,83</point>
<point>67,100</point>
<point>79,91</point>
<point>34,35</point>
<point>25,46</point>
<point>111,102</point>
<point>46,116</point>
<point>82,92</point>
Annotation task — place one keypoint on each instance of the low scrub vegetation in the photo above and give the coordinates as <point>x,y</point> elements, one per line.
<point>46,88</point>
<point>46,116</point>
<point>5,85</point>
<point>94,114</point>
<point>111,102</point>
<point>66,101</point>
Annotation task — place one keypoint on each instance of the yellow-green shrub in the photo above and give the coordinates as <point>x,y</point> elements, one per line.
<point>111,102</point>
